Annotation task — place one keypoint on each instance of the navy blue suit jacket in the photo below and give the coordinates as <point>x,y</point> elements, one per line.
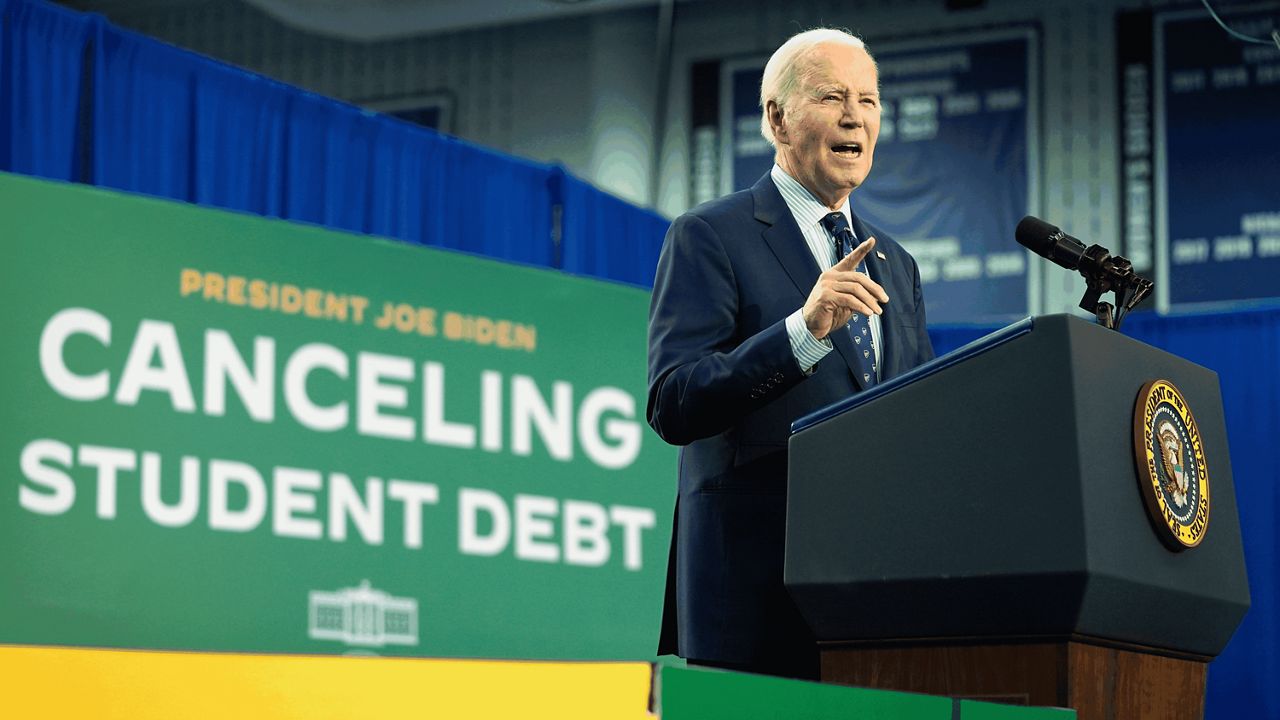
<point>724,383</point>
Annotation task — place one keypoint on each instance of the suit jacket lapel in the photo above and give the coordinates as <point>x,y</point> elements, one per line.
<point>783,237</point>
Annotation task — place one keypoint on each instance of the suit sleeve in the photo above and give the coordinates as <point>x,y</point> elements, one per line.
<point>704,376</point>
<point>923,342</point>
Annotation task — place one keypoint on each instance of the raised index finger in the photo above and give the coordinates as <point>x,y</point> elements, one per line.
<point>854,259</point>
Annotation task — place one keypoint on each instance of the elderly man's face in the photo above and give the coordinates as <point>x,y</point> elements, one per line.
<point>827,135</point>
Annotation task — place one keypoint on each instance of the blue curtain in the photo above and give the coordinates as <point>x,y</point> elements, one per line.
<point>42,60</point>
<point>328,163</point>
<point>494,205</point>
<point>408,192</point>
<point>358,171</point>
<point>607,238</point>
<point>143,115</point>
<point>167,122</point>
<point>1244,349</point>
<point>239,140</point>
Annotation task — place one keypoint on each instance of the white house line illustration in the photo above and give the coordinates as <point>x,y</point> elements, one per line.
<point>363,616</point>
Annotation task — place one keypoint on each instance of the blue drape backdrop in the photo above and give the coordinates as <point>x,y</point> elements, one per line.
<point>170,123</point>
<point>241,117</point>
<point>143,115</point>
<point>84,101</point>
<point>605,237</point>
<point>42,60</point>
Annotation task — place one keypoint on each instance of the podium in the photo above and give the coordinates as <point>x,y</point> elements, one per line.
<point>977,528</point>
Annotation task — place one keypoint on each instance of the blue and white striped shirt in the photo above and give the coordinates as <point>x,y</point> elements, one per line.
<point>808,212</point>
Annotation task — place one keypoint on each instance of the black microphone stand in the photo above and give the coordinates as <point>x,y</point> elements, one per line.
<point>1105,273</point>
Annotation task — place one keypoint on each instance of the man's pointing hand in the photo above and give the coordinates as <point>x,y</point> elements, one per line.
<point>842,291</point>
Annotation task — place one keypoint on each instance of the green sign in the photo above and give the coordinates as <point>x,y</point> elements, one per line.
<point>228,433</point>
<point>693,693</point>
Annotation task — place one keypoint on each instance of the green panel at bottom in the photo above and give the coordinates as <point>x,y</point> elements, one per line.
<point>685,693</point>
<point>701,694</point>
<point>973,710</point>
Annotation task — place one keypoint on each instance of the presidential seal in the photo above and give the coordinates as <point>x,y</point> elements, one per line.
<point>1172,473</point>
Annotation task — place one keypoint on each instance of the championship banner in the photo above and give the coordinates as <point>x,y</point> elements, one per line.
<point>956,164</point>
<point>228,433</point>
<point>1217,213</point>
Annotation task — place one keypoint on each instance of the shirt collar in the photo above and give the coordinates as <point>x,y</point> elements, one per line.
<point>804,207</point>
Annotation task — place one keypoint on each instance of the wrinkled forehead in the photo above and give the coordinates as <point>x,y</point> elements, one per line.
<point>838,64</point>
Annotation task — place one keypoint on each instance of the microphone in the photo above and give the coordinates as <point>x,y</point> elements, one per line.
<point>1102,271</point>
<point>1049,242</point>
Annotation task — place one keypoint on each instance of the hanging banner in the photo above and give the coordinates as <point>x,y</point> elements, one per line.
<point>956,164</point>
<point>230,433</point>
<point>1136,148</point>
<point>1217,104</point>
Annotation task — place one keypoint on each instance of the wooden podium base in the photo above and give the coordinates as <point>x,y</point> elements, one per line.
<point>1100,683</point>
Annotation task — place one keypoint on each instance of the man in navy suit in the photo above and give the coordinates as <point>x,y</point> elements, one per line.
<point>769,304</point>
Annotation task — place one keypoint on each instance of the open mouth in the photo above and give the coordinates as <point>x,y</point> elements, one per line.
<point>847,149</point>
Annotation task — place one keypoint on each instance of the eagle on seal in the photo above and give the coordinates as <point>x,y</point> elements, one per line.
<point>1175,475</point>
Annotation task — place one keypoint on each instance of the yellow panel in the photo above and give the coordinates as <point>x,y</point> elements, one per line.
<point>134,684</point>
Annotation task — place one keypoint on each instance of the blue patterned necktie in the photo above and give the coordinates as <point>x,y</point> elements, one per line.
<point>859,327</point>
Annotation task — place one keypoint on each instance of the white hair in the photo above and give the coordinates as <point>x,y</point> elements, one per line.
<point>782,72</point>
